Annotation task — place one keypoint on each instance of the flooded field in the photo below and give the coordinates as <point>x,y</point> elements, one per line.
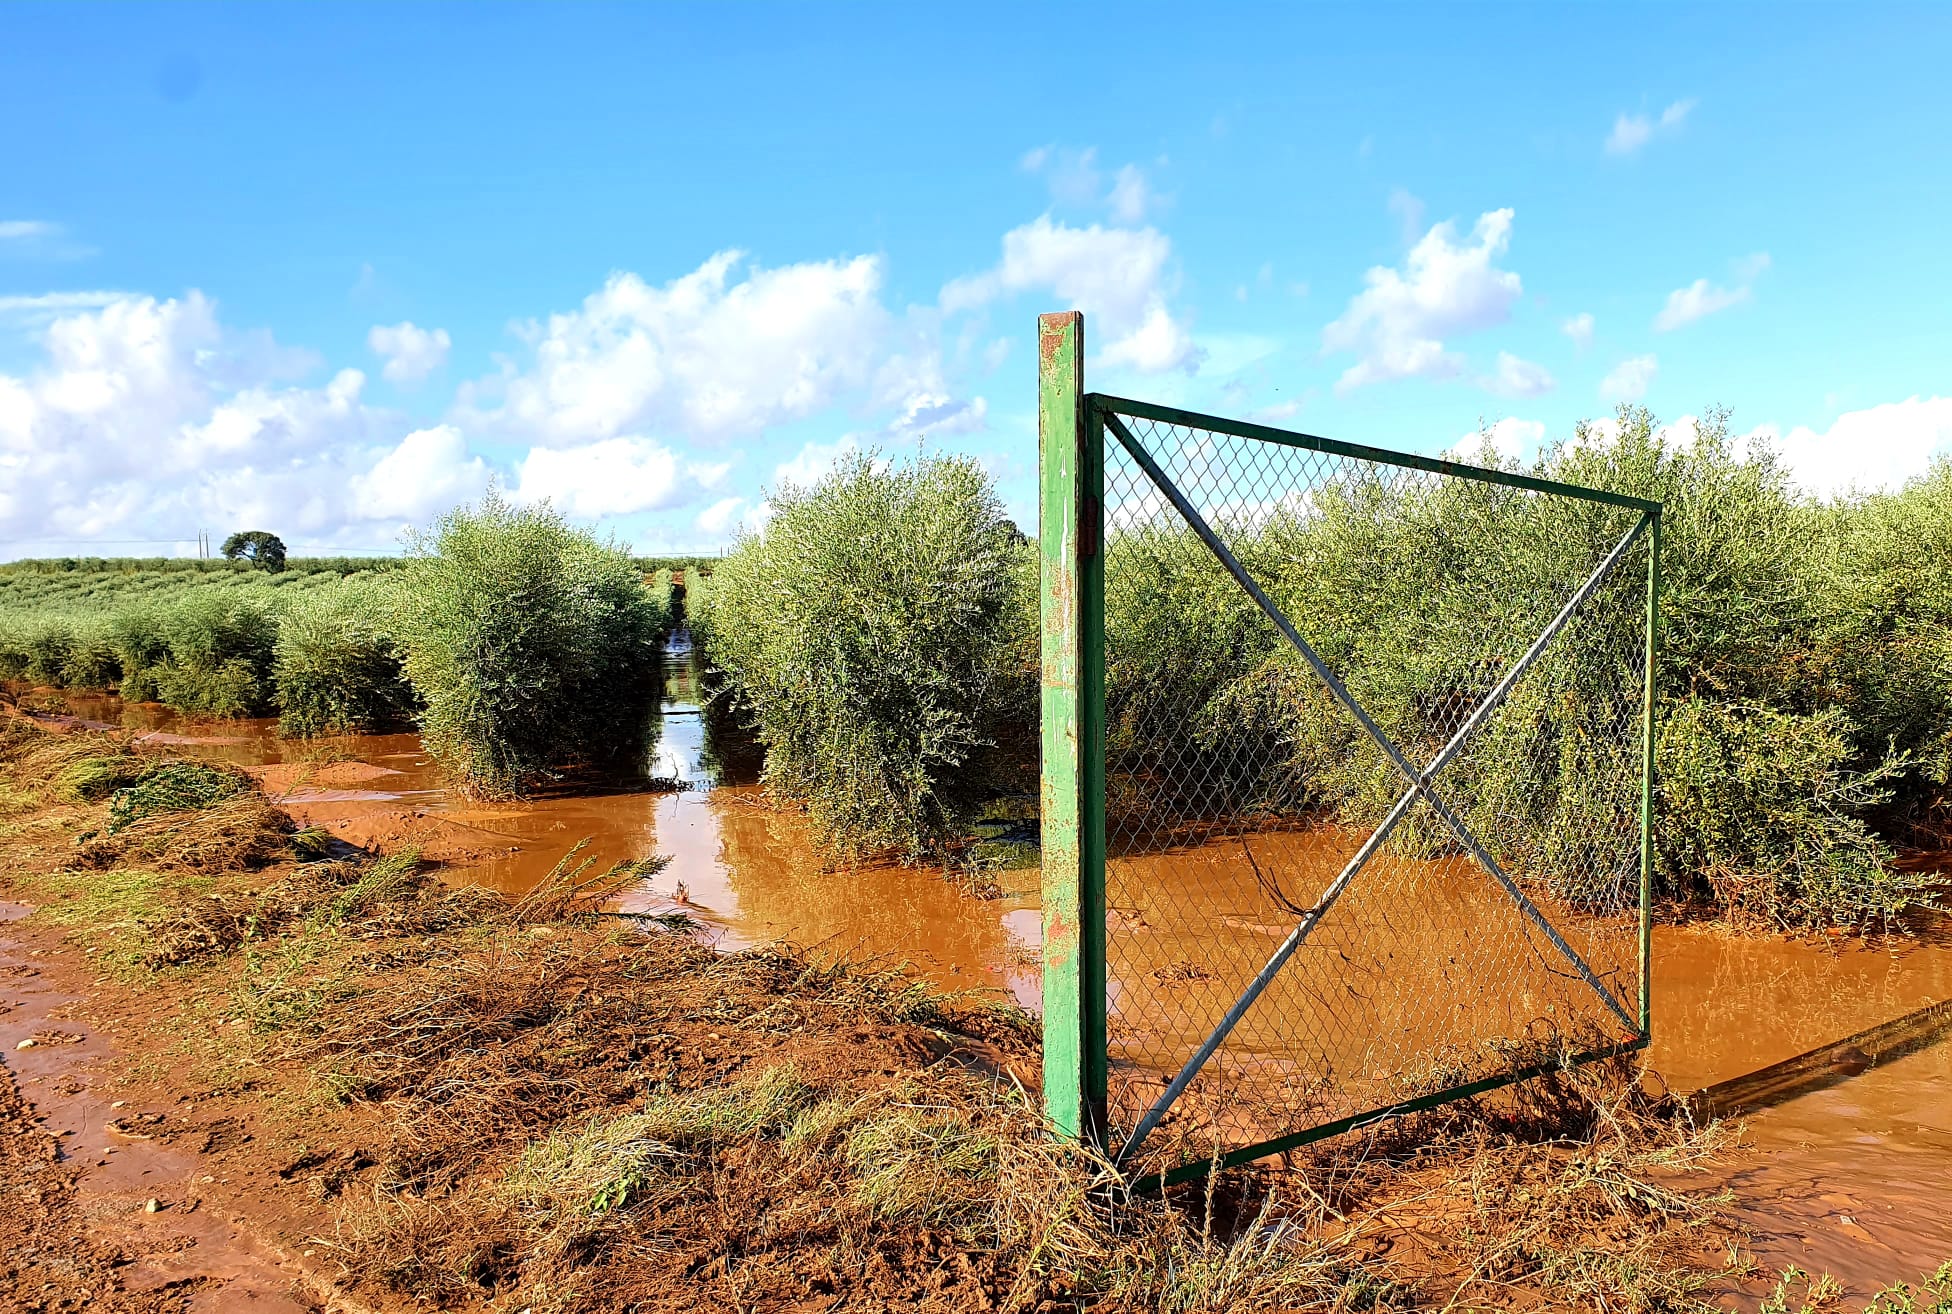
<point>1850,1173</point>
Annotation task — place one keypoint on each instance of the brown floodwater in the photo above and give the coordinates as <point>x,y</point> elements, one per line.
<point>1853,1175</point>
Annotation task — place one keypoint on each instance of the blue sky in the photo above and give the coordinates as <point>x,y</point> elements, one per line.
<point>327,270</point>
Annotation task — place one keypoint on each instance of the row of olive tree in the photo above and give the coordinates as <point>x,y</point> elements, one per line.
<point>1804,690</point>
<point>879,635</point>
<point>519,644</point>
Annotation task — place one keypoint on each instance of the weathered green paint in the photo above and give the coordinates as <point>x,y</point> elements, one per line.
<point>1335,447</point>
<point>1073,900</point>
<point>1652,647</point>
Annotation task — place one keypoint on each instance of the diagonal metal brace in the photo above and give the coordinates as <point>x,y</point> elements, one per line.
<point>1420,781</point>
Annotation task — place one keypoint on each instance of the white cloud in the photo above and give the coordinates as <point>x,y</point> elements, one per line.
<point>1519,378</point>
<point>1696,300</point>
<point>430,471</point>
<point>1633,131</point>
<point>1130,196</point>
<point>1075,179</point>
<point>1630,379</point>
<point>150,418</point>
<point>1117,276</point>
<point>21,230</point>
<point>939,415</point>
<point>1580,329</point>
<point>719,519</point>
<point>1876,448</point>
<point>813,462</point>
<point>1630,133</point>
<point>1511,438</point>
<point>411,353</point>
<point>615,476</point>
<point>1398,321</point>
<point>712,355</point>
<point>1409,211</point>
<point>55,303</point>
<point>1071,175</point>
<point>1702,298</point>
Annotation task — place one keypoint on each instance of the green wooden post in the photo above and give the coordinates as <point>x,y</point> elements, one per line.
<point>1070,463</point>
<point>1648,694</point>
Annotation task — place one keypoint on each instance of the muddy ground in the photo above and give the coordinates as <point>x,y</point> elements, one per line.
<point>260,1083</point>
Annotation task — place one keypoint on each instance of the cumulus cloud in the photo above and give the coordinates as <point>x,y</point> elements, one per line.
<point>1633,131</point>
<point>720,518</point>
<point>1516,377</point>
<point>1876,448</point>
<point>411,353</point>
<point>1630,379</point>
<point>1580,329</point>
<point>1511,439</point>
<point>813,461</point>
<point>722,352</point>
<point>150,417</point>
<point>1701,298</point>
<point>1397,323</point>
<point>939,415</point>
<point>615,476</point>
<point>428,472</point>
<point>1119,277</point>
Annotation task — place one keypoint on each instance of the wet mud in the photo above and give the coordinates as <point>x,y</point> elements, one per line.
<point>1849,1177</point>
<point>121,1218</point>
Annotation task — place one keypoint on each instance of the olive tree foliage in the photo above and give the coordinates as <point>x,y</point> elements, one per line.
<point>1804,690</point>
<point>879,634</point>
<point>262,549</point>
<point>336,666</point>
<point>532,645</point>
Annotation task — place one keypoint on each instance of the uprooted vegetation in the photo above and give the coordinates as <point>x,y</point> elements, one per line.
<point>531,1105</point>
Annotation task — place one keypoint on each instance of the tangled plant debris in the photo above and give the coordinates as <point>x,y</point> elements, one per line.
<point>529,1105</point>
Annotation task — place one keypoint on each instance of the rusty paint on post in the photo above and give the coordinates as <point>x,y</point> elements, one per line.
<point>1071,612</point>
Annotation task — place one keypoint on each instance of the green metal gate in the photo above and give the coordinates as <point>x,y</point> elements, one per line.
<point>1347,776</point>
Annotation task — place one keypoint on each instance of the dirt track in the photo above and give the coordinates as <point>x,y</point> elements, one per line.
<point>81,1165</point>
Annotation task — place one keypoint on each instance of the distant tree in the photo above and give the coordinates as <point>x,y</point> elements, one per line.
<point>262,549</point>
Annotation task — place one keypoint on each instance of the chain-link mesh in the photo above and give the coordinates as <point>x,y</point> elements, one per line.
<point>1238,788</point>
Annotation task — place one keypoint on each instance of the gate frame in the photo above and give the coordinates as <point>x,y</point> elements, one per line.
<point>1071,432</point>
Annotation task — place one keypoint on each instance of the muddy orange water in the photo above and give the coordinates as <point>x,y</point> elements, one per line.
<point>1853,1177</point>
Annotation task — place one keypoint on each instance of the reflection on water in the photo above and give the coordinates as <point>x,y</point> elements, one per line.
<point>748,873</point>
<point>1855,1176</point>
<point>1853,1179</point>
